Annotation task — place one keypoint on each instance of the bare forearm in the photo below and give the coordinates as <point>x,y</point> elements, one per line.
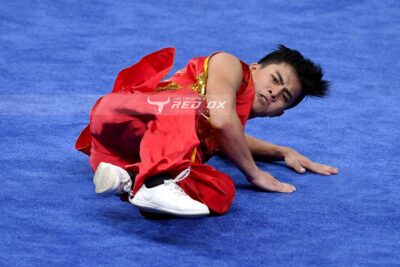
<point>265,151</point>
<point>233,143</point>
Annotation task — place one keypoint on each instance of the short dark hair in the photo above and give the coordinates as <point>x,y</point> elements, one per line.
<point>309,73</point>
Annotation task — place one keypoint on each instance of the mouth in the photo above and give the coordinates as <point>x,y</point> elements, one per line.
<point>263,100</point>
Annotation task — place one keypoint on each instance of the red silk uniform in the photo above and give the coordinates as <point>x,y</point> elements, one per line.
<point>127,130</point>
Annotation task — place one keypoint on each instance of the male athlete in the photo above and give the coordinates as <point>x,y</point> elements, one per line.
<point>146,148</point>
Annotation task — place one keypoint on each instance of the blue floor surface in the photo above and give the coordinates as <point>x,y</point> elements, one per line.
<point>58,57</point>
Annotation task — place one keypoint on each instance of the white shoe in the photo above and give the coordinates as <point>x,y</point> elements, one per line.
<point>169,198</point>
<point>110,179</point>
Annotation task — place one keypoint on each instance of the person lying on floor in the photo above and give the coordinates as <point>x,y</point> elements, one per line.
<point>148,140</point>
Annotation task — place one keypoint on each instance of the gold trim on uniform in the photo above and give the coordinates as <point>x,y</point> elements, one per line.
<point>193,157</point>
<point>201,80</point>
<point>170,86</point>
<point>200,85</point>
<point>206,65</point>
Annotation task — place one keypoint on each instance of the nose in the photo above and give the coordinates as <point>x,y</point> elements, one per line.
<point>276,93</point>
<point>273,96</point>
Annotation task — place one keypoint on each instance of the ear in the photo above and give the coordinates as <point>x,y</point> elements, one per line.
<point>254,66</point>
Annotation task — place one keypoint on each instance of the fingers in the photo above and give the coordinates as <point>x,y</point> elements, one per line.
<point>283,187</point>
<point>286,188</point>
<point>269,183</point>
<point>320,168</point>
<point>326,170</point>
<point>333,170</point>
<point>300,163</point>
<point>295,165</point>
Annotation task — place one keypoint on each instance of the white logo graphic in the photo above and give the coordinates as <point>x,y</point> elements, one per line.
<point>160,104</point>
<point>185,104</point>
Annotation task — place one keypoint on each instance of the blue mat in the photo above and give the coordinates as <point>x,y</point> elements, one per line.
<point>58,57</point>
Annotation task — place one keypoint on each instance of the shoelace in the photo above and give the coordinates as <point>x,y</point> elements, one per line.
<point>125,186</point>
<point>182,175</point>
<point>171,184</point>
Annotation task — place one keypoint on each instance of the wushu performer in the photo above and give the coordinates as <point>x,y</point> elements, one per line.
<point>145,147</point>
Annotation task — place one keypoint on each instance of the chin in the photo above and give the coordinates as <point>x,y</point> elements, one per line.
<point>263,114</point>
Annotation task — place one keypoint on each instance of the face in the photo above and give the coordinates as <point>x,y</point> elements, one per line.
<point>276,86</point>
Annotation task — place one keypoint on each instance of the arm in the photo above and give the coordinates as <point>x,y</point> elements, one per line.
<point>224,78</point>
<point>265,151</point>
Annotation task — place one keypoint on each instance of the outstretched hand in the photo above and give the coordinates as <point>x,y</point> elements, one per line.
<point>301,163</point>
<point>265,181</point>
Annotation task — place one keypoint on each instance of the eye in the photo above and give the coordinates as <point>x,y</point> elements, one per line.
<point>286,98</point>
<point>274,79</point>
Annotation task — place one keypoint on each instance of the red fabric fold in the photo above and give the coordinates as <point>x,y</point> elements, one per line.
<point>142,76</point>
<point>147,73</point>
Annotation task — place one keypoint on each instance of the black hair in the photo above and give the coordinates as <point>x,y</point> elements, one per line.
<point>309,73</point>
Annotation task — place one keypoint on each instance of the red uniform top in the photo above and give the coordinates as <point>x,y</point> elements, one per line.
<point>194,76</point>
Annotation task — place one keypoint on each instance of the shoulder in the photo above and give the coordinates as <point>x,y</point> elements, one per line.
<point>226,65</point>
<point>226,60</point>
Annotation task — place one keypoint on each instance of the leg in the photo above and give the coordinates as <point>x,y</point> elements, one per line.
<point>166,142</point>
<point>116,135</point>
<point>116,138</point>
<point>209,186</point>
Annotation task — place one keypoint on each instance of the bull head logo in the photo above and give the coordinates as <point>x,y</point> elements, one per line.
<point>160,104</point>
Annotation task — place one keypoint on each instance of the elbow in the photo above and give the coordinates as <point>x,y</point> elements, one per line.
<point>222,123</point>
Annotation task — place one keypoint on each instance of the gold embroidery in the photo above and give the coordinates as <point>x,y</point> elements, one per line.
<point>200,85</point>
<point>169,86</point>
<point>193,157</point>
<point>206,65</point>
<point>201,80</point>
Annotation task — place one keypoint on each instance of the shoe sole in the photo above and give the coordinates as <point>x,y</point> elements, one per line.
<point>103,186</point>
<point>155,209</point>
